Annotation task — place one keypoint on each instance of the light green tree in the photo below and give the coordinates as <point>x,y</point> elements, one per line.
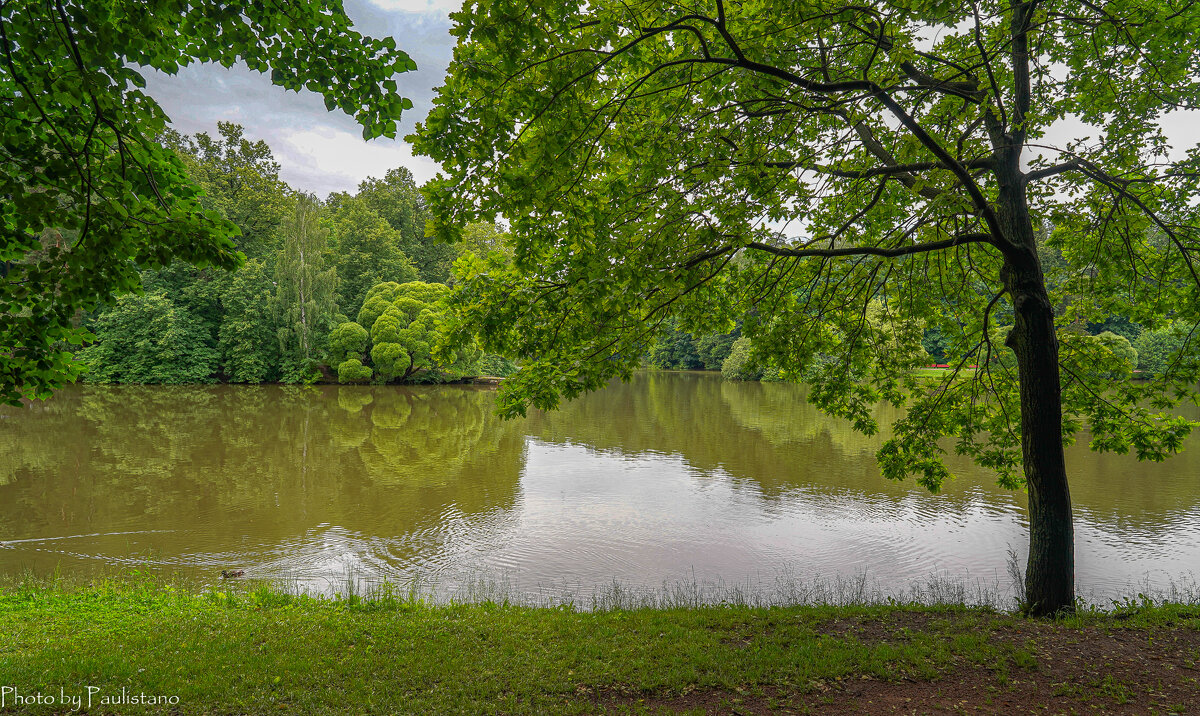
<point>485,237</point>
<point>406,335</point>
<point>91,196</point>
<point>1161,350</point>
<point>791,163</point>
<point>397,199</point>
<point>304,302</point>
<point>347,342</point>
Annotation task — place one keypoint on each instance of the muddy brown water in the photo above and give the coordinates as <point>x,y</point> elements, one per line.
<point>673,478</point>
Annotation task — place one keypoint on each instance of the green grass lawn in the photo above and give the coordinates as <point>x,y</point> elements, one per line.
<point>264,651</point>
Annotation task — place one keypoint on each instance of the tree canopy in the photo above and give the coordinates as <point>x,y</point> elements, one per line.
<point>90,194</point>
<point>366,252</point>
<point>403,325</point>
<point>797,163</point>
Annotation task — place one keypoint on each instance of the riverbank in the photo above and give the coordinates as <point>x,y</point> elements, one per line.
<point>265,651</point>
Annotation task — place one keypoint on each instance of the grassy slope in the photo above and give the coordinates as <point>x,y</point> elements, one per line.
<point>267,652</point>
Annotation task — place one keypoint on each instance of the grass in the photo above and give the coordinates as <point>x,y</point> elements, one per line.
<point>263,650</point>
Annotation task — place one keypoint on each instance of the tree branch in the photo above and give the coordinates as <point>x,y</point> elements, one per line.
<point>974,238</point>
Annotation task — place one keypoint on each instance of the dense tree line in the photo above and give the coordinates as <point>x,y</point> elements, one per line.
<point>309,268</point>
<point>93,199</point>
<point>304,298</point>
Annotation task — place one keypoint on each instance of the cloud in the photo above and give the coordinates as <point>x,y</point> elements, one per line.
<point>323,160</point>
<point>318,151</point>
<point>442,7</point>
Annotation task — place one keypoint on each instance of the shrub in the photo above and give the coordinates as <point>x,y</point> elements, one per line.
<point>353,371</point>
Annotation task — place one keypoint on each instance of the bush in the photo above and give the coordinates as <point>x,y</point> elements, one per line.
<point>1122,351</point>
<point>401,324</point>
<point>353,371</point>
<point>498,366</point>
<point>348,341</point>
<point>150,339</point>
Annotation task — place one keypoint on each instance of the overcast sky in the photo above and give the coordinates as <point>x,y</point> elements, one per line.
<point>320,151</point>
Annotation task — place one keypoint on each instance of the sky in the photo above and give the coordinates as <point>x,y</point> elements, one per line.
<point>320,151</point>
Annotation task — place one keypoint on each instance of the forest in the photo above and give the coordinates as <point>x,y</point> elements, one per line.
<point>318,276</point>
<point>287,313</point>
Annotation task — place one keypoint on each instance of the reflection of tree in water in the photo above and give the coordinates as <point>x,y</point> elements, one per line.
<point>768,435</point>
<point>783,415</point>
<point>762,433</point>
<point>1119,488</point>
<point>436,444</point>
<point>269,462</point>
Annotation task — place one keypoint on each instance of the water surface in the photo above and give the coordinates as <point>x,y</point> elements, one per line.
<point>674,477</point>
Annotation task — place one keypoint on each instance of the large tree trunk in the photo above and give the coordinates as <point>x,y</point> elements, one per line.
<point>1050,575</point>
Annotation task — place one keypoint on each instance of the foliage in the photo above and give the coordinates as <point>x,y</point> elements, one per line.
<point>1123,354</point>
<point>679,349</point>
<point>714,348</point>
<point>240,180</point>
<point>1119,325</point>
<point>148,339</point>
<point>484,238</point>
<point>742,363</point>
<point>495,366</point>
<point>247,344</point>
<point>737,365</point>
<point>347,342</point>
<point>675,349</point>
<point>304,302</point>
<point>352,370</point>
<point>397,200</point>
<point>647,154</point>
<point>90,196</point>
<point>935,342</point>
<point>406,334</point>
<point>1161,350</point>
<point>366,252</point>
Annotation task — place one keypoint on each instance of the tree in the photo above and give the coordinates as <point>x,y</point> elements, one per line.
<point>398,200</point>
<point>792,163</point>
<point>366,251</point>
<point>484,237</point>
<point>90,195</point>
<point>240,179</point>
<point>406,336</point>
<point>1159,349</point>
<point>675,349</point>
<point>347,342</point>
<point>248,341</point>
<point>714,348</point>
<point>240,182</point>
<point>148,339</point>
<point>738,364</point>
<point>304,301</point>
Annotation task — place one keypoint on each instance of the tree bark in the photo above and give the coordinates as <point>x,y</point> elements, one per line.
<point>1050,573</point>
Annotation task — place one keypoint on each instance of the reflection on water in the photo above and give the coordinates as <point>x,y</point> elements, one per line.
<point>670,477</point>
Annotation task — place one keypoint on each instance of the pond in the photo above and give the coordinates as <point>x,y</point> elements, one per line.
<point>673,478</point>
